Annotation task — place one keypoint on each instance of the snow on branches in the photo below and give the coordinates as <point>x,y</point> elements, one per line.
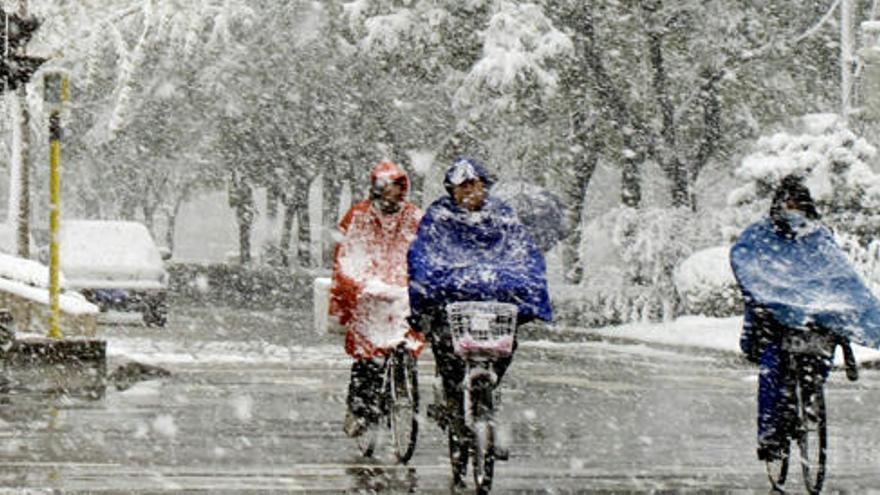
<point>520,45</point>
<point>835,162</point>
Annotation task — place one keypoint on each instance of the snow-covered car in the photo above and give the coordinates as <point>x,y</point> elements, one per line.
<point>116,265</point>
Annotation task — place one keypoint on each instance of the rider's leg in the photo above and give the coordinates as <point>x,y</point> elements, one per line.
<point>364,389</point>
<point>775,401</point>
<point>452,375</point>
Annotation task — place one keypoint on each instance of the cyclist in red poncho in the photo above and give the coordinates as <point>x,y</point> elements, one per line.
<point>368,296</point>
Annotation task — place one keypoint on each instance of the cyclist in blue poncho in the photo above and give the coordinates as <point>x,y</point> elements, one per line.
<point>794,277</point>
<point>470,246</point>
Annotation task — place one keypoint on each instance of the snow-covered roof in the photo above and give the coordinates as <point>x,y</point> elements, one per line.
<point>111,251</point>
<point>26,271</point>
<point>70,303</point>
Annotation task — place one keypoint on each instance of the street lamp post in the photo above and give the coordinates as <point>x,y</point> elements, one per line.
<point>55,94</point>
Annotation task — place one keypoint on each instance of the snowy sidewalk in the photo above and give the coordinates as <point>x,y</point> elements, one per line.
<point>717,334</point>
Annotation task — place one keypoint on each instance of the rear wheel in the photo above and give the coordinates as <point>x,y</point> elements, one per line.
<point>404,407</point>
<point>812,434</point>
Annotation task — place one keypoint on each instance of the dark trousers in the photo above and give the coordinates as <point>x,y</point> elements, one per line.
<point>777,400</point>
<point>364,389</point>
<point>452,374</point>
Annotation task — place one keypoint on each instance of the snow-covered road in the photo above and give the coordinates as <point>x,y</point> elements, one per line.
<point>256,400</point>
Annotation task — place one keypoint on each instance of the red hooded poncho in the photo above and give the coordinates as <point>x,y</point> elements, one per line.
<point>368,261</point>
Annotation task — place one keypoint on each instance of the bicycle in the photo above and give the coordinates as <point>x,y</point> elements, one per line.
<point>481,332</point>
<point>803,353</point>
<point>398,404</point>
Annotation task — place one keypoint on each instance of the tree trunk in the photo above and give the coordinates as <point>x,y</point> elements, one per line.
<point>574,189</point>
<point>149,215</point>
<point>631,182</point>
<point>245,215</point>
<point>286,233</point>
<point>304,254</point>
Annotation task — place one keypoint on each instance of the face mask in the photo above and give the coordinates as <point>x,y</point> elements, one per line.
<point>385,206</point>
<point>798,222</point>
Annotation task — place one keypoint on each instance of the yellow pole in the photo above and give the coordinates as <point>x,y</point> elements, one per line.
<point>54,209</point>
<point>55,88</point>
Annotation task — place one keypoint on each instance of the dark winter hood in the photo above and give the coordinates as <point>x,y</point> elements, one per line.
<point>387,171</point>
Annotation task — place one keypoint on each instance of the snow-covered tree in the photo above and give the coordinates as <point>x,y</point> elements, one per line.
<point>141,106</point>
<point>836,165</point>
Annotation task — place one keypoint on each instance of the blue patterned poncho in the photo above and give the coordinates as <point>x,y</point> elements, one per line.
<point>484,255</point>
<point>804,279</point>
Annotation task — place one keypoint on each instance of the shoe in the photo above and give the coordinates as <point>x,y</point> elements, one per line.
<point>458,485</point>
<point>770,452</point>
<point>437,412</point>
<point>501,453</point>
<point>353,426</point>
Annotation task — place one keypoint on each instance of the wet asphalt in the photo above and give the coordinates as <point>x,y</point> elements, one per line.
<point>254,404</point>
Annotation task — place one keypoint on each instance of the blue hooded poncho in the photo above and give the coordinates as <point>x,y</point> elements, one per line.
<point>483,255</point>
<point>804,278</point>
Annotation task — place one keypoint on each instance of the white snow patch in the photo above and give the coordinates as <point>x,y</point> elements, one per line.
<point>719,334</point>
<point>243,407</point>
<point>165,426</point>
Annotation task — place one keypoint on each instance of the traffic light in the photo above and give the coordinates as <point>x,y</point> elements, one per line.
<point>15,31</point>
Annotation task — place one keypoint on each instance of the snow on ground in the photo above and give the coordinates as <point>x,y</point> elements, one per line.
<point>155,351</point>
<point>684,334</point>
<point>717,334</point>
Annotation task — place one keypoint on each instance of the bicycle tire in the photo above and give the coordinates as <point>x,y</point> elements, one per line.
<point>483,440</point>
<point>484,459</point>
<point>812,434</point>
<point>403,410</point>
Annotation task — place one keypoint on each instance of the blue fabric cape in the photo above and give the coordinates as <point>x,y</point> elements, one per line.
<point>486,255</point>
<point>804,279</point>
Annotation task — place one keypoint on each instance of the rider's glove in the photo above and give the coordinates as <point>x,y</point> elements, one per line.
<point>415,322</point>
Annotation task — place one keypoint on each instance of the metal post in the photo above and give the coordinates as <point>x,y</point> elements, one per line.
<point>847,59</point>
<point>55,95</point>
<point>24,206</point>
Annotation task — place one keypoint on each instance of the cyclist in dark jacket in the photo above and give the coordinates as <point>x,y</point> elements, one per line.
<point>470,246</point>
<point>794,277</point>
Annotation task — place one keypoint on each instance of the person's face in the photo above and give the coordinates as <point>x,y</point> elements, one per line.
<point>390,197</point>
<point>393,192</point>
<point>794,205</point>
<point>470,194</point>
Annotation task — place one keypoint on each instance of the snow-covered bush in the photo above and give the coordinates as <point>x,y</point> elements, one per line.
<point>637,285</point>
<point>835,164</point>
<point>865,259</point>
<point>704,281</point>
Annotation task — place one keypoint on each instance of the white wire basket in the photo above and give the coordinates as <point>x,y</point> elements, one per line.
<point>482,329</point>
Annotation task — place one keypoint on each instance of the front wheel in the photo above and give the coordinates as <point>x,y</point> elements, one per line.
<point>812,433</point>
<point>483,412</point>
<point>484,459</point>
<point>403,389</point>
